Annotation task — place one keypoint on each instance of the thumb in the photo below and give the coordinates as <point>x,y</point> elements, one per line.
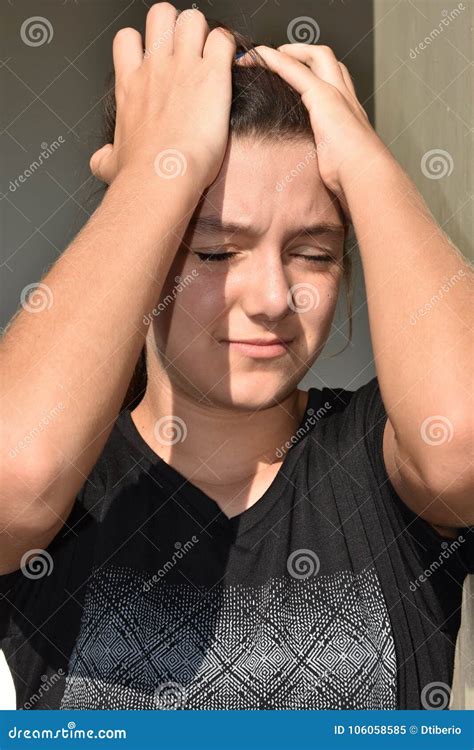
<point>101,163</point>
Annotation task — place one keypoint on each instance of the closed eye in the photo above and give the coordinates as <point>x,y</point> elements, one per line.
<point>214,256</point>
<point>315,258</point>
<point>225,256</point>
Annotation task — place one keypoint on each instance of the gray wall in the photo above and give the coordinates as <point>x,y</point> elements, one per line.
<point>424,103</point>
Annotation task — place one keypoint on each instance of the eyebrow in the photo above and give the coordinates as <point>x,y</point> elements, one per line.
<point>213,225</point>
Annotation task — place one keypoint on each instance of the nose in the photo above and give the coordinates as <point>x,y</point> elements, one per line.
<point>267,290</point>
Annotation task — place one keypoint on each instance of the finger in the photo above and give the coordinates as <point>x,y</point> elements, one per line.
<point>100,163</point>
<point>345,208</point>
<point>190,34</point>
<point>347,79</point>
<point>350,85</point>
<point>159,33</point>
<point>320,59</point>
<point>220,43</point>
<point>251,57</point>
<point>298,75</point>
<point>127,52</point>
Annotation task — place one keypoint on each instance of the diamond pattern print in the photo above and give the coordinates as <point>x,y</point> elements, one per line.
<point>320,643</point>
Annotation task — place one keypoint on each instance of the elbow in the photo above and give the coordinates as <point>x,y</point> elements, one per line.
<point>25,476</point>
<point>451,487</point>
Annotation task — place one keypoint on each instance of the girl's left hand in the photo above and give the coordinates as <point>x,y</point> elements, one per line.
<point>343,134</point>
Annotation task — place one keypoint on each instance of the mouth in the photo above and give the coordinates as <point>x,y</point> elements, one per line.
<point>259,348</point>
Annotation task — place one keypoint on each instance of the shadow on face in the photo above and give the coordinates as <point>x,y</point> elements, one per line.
<point>260,260</point>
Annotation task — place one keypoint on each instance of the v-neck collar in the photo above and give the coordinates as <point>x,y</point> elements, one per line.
<point>205,507</point>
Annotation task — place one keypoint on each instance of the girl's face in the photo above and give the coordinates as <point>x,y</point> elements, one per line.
<point>281,281</point>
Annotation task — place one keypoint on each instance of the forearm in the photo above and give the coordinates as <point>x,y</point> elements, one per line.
<point>419,295</point>
<point>73,360</point>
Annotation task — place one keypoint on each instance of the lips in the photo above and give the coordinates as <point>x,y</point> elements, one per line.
<point>259,342</point>
<point>260,348</point>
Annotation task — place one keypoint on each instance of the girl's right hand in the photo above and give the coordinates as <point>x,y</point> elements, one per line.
<point>172,102</point>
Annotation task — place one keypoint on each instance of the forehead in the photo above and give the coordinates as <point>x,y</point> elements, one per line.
<point>271,185</point>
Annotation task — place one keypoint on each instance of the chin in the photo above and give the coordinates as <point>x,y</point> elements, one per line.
<point>251,392</point>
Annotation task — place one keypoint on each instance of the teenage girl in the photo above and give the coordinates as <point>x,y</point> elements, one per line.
<point>227,540</point>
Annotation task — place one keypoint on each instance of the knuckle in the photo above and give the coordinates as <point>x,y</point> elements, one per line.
<point>216,30</point>
<point>160,8</point>
<point>225,33</point>
<point>194,13</point>
<point>219,33</point>
<point>156,7</point>
<point>122,33</point>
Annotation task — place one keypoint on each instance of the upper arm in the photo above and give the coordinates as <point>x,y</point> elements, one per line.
<point>15,547</point>
<point>32,517</point>
<point>410,487</point>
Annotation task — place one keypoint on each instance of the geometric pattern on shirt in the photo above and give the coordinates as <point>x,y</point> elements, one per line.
<point>319,643</point>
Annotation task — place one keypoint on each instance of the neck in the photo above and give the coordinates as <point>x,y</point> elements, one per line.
<point>218,448</point>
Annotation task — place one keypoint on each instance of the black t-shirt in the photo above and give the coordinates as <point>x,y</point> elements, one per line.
<point>327,593</point>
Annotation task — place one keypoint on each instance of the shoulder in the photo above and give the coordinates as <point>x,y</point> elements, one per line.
<point>409,485</point>
<point>369,443</point>
<point>356,407</point>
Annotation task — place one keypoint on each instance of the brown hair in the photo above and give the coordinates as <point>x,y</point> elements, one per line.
<point>264,107</point>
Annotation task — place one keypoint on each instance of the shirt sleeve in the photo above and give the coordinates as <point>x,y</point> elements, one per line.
<point>370,414</point>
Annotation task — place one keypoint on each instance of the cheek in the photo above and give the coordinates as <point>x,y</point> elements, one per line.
<point>208,292</point>
<point>192,308</point>
<point>316,303</point>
